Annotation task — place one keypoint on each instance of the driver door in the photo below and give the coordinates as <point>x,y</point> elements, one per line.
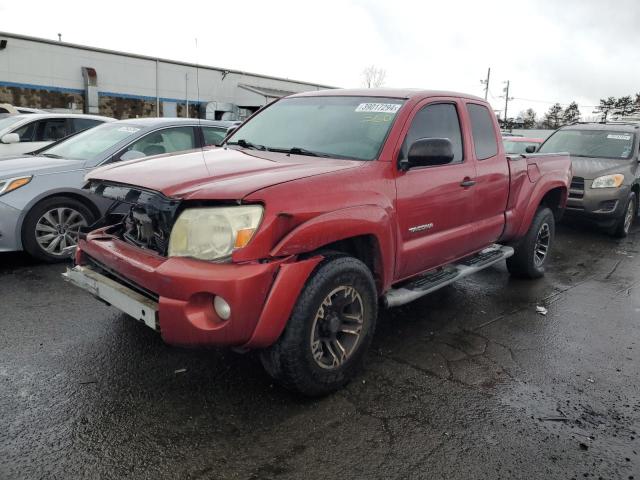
<point>435,203</point>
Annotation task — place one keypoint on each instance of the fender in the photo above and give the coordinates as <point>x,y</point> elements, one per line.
<point>99,203</point>
<point>526,212</point>
<point>340,225</point>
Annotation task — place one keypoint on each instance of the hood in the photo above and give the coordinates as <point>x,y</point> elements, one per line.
<point>220,173</point>
<point>35,165</point>
<point>590,168</point>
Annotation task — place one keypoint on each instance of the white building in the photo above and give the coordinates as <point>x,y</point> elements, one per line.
<point>41,73</point>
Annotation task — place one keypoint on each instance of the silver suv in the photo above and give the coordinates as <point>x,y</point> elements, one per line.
<point>606,177</point>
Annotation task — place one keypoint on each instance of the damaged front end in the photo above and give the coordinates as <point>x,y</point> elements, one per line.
<point>141,217</point>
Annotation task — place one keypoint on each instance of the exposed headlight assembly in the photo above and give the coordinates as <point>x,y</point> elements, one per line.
<point>10,184</point>
<point>608,181</point>
<point>213,233</point>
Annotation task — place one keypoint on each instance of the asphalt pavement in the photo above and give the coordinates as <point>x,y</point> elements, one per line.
<point>470,382</point>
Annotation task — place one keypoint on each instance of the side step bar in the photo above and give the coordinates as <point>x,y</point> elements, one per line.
<point>436,279</point>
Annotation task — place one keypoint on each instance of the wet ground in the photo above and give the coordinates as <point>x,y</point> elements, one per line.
<point>468,383</point>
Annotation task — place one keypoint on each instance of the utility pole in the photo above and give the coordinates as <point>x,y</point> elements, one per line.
<point>486,83</point>
<point>506,99</point>
<point>59,37</point>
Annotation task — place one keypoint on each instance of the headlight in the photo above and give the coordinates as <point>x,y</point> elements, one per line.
<point>213,233</point>
<point>11,184</point>
<point>608,181</point>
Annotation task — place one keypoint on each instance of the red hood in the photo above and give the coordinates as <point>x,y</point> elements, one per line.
<point>221,174</point>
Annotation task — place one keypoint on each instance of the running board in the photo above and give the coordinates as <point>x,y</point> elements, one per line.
<point>429,282</point>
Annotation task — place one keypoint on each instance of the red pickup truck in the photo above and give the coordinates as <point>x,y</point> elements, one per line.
<point>315,211</point>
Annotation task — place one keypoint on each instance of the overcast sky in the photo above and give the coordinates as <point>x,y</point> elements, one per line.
<point>549,50</point>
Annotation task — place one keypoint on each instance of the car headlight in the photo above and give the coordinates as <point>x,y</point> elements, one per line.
<point>10,184</point>
<point>213,233</point>
<point>608,181</point>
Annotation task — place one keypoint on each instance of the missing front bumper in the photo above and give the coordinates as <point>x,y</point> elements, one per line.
<point>129,301</point>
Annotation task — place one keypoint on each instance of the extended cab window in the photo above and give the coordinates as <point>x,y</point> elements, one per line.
<point>436,121</point>
<point>484,135</point>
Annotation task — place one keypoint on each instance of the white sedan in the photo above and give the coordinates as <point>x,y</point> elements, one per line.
<point>29,132</point>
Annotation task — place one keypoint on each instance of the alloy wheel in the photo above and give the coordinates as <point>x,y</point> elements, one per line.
<point>58,228</point>
<point>628,216</point>
<point>541,248</point>
<point>337,327</point>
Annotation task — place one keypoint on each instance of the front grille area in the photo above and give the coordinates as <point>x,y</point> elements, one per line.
<point>109,273</point>
<point>577,187</point>
<point>151,215</point>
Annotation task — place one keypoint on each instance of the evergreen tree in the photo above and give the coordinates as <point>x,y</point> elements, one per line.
<point>553,118</point>
<point>571,114</point>
<point>624,106</point>
<point>606,105</point>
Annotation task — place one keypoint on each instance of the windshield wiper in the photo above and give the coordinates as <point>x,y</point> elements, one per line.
<point>50,155</point>
<point>244,144</point>
<point>300,151</point>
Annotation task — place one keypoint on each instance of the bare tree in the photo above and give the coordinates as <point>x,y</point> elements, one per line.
<point>373,76</point>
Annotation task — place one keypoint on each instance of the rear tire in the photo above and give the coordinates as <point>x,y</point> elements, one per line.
<point>623,225</point>
<point>52,225</point>
<point>329,331</point>
<point>532,253</point>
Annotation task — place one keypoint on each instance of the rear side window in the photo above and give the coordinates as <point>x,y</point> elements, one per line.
<point>484,135</point>
<point>436,121</point>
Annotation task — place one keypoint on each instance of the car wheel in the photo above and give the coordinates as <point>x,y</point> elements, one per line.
<point>532,253</point>
<point>623,226</point>
<point>329,330</point>
<point>52,225</point>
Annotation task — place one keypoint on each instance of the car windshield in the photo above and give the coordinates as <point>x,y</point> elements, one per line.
<point>590,143</point>
<point>518,148</point>
<point>7,122</point>
<point>337,127</point>
<point>93,143</point>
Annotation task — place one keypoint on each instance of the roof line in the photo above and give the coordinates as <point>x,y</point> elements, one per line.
<point>159,59</point>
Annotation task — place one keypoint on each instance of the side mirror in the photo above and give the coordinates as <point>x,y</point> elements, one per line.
<point>132,155</point>
<point>531,149</point>
<point>428,152</point>
<point>10,138</point>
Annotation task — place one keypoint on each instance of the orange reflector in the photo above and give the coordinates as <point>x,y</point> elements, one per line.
<point>243,237</point>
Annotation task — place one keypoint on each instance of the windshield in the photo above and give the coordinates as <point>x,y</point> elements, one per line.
<point>338,127</point>
<point>93,143</point>
<point>6,122</point>
<point>518,147</point>
<point>590,143</point>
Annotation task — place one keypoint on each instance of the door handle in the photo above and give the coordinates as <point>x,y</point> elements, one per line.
<point>467,182</point>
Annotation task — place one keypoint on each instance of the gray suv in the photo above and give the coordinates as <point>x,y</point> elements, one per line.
<point>606,176</point>
<point>42,203</point>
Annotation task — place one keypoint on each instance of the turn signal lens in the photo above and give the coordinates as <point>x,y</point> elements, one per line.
<point>11,184</point>
<point>243,236</point>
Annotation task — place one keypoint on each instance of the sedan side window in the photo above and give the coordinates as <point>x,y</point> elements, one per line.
<point>213,135</point>
<point>438,120</point>
<point>27,132</point>
<point>51,130</point>
<point>168,140</point>
<point>80,124</point>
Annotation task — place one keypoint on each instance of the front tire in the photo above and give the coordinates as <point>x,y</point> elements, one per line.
<point>329,331</point>
<point>623,225</point>
<point>52,225</point>
<point>532,253</point>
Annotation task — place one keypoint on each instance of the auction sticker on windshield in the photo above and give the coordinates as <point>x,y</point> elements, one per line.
<point>128,129</point>
<point>378,107</point>
<point>619,137</point>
